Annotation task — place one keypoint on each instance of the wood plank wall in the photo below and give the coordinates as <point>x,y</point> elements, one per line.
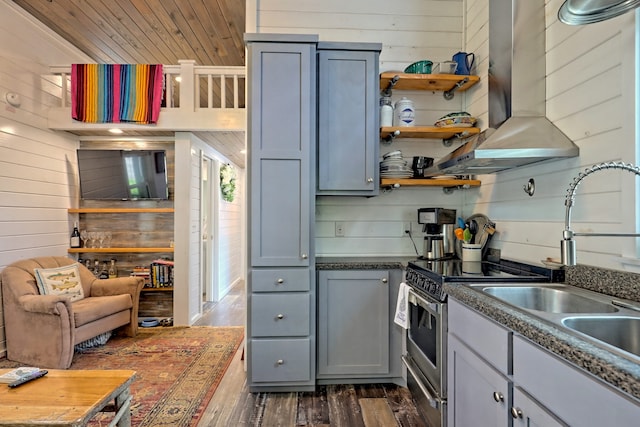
<point>37,166</point>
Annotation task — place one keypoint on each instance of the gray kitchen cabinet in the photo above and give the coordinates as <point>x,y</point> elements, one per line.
<point>281,137</point>
<point>357,339</point>
<point>479,395</point>
<point>576,397</point>
<point>348,119</point>
<point>537,388</point>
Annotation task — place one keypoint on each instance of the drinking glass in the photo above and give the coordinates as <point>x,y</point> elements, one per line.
<point>84,235</point>
<point>101,236</point>
<point>107,238</point>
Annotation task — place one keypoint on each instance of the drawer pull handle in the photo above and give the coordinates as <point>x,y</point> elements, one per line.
<point>305,256</point>
<point>498,397</point>
<point>516,413</point>
<point>280,316</point>
<point>280,362</point>
<point>280,281</point>
<point>384,280</point>
<point>369,180</point>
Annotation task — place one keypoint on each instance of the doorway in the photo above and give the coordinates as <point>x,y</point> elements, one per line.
<point>208,227</point>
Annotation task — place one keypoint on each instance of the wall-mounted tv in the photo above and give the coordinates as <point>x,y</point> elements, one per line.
<point>122,174</point>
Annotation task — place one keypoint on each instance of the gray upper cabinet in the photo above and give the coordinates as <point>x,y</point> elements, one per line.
<point>348,119</point>
<point>281,141</point>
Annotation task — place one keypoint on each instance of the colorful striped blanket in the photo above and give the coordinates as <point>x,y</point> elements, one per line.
<point>113,93</point>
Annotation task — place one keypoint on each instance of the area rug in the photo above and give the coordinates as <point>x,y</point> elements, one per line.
<point>178,370</point>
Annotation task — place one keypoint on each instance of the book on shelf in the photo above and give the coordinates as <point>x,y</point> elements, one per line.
<point>17,374</point>
<point>161,273</point>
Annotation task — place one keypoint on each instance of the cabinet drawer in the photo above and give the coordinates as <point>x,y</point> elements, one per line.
<point>280,360</point>
<point>490,340</point>
<point>280,315</point>
<point>280,280</point>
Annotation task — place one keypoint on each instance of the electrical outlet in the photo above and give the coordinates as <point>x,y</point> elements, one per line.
<point>407,228</point>
<point>339,229</point>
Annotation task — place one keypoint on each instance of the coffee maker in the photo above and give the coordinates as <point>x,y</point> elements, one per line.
<point>438,224</point>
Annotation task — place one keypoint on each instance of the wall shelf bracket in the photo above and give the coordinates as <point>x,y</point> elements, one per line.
<point>448,95</point>
<point>390,137</point>
<point>392,83</point>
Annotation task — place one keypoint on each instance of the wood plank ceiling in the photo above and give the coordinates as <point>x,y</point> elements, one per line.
<point>153,32</point>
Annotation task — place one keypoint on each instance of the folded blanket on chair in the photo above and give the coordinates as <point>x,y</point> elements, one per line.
<point>113,93</point>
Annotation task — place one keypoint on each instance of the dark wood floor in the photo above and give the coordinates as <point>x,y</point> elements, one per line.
<point>372,405</point>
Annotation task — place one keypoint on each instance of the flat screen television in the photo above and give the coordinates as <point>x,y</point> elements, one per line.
<point>122,174</point>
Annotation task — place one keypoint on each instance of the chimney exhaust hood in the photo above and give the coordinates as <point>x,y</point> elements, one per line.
<point>519,132</point>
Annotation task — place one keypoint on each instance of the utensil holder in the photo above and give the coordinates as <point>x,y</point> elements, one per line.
<point>471,252</point>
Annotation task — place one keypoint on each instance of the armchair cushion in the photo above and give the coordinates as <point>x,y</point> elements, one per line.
<point>60,281</point>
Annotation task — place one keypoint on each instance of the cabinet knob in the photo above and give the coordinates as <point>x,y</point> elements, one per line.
<point>369,180</point>
<point>516,412</point>
<point>280,316</point>
<point>280,362</point>
<point>498,397</point>
<point>305,256</point>
<point>384,280</point>
<point>280,281</point>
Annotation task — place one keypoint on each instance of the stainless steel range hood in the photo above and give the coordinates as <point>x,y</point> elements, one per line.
<point>519,132</point>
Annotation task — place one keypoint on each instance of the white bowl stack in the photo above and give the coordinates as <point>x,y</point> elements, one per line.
<point>393,165</point>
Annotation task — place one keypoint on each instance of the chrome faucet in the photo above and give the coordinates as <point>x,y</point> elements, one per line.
<point>567,244</point>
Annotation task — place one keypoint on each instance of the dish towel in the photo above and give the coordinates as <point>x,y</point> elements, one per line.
<point>402,307</point>
<point>114,93</point>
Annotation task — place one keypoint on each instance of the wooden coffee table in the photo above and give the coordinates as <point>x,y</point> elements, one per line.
<point>67,398</point>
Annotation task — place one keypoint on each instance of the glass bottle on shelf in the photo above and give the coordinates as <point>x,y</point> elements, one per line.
<point>104,271</point>
<point>113,271</point>
<point>74,241</point>
<point>96,268</point>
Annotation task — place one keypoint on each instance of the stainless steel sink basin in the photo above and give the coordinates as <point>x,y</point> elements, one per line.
<point>548,299</point>
<point>619,331</point>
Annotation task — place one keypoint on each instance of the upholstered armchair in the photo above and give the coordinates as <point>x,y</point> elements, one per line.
<point>42,330</point>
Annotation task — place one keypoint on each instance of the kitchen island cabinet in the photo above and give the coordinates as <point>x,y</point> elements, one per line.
<point>281,138</point>
<point>515,382</point>
<point>357,339</point>
<point>348,118</point>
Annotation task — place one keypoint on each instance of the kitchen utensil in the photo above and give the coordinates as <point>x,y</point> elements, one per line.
<point>473,228</point>
<point>466,234</point>
<point>464,64</point>
<point>459,233</point>
<point>461,223</point>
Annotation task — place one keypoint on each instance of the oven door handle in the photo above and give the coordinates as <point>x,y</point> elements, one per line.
<point>422,382</point>
<point>431,307</point>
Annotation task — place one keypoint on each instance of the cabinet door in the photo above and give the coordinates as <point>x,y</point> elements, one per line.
<point>478,395</point>
<point>348,130</point>
<point>281,141</point>
<point>353,323</point>
<point>526,412</point>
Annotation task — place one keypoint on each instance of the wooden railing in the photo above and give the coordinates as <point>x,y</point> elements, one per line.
<point>188,87</point>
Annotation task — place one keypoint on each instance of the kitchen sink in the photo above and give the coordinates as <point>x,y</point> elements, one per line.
<point>619,331</point>
<point>549,299</point>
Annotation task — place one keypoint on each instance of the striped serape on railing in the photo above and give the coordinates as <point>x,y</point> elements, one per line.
<point>113,93</point>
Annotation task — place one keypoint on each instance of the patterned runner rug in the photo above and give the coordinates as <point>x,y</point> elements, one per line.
<point>178,370</point>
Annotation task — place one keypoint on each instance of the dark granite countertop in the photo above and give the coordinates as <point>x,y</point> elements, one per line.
<point>622,373</point>
<point>362,263</point>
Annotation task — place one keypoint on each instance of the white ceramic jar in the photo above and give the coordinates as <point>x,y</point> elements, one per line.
<point>404,112</point>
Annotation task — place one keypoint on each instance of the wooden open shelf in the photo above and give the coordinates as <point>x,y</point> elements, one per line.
<point>433,82</point>
<point>118,250</point>
<point>413,182</point>
<point>121,210</point>
<point>429,132</point>
<point>166,289</point>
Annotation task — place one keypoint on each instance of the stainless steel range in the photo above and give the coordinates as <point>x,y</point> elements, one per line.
<point>426,358</point>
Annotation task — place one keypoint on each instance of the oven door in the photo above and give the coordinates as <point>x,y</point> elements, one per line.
<point>426,344</point>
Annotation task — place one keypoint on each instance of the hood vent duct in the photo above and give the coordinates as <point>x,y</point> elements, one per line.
<point>519,132</point>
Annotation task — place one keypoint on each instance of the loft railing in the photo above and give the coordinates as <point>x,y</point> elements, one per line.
<point>188,87</point>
